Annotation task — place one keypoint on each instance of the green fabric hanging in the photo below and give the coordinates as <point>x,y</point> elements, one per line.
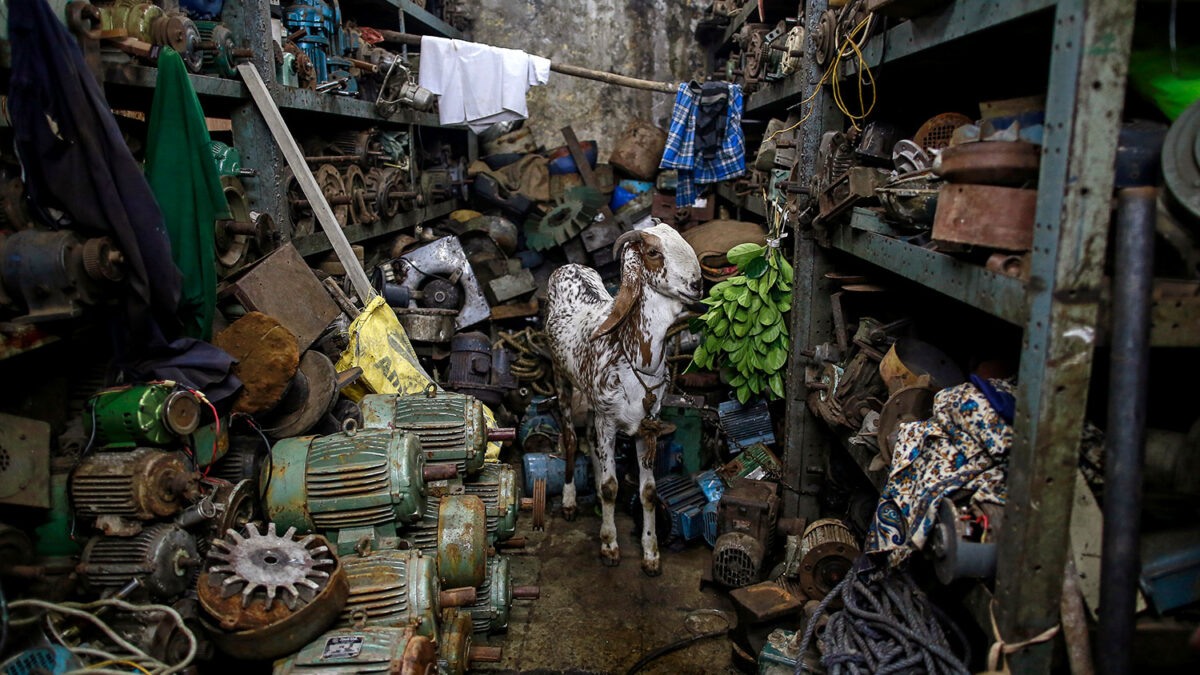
<point>183,174</point>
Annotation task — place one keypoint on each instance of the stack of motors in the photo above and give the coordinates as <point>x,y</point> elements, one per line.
<point>135,484</point>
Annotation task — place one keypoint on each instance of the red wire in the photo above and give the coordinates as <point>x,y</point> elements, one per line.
<point>217,435</point>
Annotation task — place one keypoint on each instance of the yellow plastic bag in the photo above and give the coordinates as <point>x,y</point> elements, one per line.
<point>379,345</point>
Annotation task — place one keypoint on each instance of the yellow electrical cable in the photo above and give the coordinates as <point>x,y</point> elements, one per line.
<point>115,662</point>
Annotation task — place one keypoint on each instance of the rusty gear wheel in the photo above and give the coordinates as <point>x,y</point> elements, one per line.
<point>334,188</point>
<point>260,567</point>
<point>825,37</point>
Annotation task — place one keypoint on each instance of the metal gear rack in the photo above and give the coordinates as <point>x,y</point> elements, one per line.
<point>1087,61</point>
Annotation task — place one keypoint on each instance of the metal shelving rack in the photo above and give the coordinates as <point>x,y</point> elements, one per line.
<point>1059,308</point>
<point>250,24</point>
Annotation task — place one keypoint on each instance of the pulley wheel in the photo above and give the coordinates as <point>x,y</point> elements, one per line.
<point>232,248</point>
<point>334,188</point>
<point>361,202</point>
<point>314,399</point>
<point>441,294</point>
<point>539,504</point>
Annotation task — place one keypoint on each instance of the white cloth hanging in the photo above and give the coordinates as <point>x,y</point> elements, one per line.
<point>478,85</point>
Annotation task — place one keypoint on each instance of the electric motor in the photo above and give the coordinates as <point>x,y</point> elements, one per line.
<point>737,559</point>
<point>827,552</point>
<point>497,487</point>
<point>356,482</point>
<point>392,589</point>
<point>454,642</point>
<point>152,414</point>
<point>161,557</point>
<point>367,649</point>
<point>452,426</point>
<point>453,529</point>
<point>493,598</point>
<point>141,484</point>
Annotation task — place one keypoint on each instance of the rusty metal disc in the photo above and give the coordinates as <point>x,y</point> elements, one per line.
<point>362,208</point>
<point>1013,163</point>
<point>334,188</point>
<point>936,132</point>
<point>910,404</point>
<point>539,504</point>
<point>232,248</point>
<point>267,356</point>
<point>311,395</point>
<point>300,216</point>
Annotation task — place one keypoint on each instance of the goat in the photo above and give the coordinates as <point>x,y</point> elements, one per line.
<point>613,351</point>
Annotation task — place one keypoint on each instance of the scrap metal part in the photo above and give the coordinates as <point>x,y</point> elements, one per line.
<point>56,274</point>
<point>392,588</point>
<point>452,427</point>
<point>161,557</point>
<point>827,552</point>
<point>396,651</point>
<point>140,484</point>
<point>441,260</point>
<point>496,485</point>
<point>454,530</point>
<point>257,579</point>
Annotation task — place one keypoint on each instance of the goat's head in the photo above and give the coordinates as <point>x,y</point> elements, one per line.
<point>654,260</point>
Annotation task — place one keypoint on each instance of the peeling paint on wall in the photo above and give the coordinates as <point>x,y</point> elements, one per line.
<point>648,39</point>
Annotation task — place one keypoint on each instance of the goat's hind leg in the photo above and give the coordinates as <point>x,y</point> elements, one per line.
<point>604,461</point>
<point>569,442</point>
<point>651,563</point>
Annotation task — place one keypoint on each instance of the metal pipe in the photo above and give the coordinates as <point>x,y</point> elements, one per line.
<point>1128,374</point>
<point>439,471</point>
<point>456,597</point>
<point>502,434</point>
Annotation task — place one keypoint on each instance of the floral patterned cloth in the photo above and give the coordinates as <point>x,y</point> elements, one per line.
<point>963,447</point>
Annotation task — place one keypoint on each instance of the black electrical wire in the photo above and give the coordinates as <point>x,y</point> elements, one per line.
<point>886,625</point>
<point>673,647</point>
<point>3,621</point>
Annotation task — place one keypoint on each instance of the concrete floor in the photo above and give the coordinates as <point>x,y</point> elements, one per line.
<point>597,619</point>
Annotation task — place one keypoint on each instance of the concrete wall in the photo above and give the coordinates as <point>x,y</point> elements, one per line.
<point>649,39</point>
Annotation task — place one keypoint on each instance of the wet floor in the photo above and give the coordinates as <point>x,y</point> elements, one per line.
<point>596,619</point>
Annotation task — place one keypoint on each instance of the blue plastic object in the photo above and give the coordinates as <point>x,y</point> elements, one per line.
<point>48,660</point>
<point>711,484</point>
<point>620,198</point>
<point>202,9</point>
<point>709,513</point>
<point>566,164</point>
<point>554,469</point>
<point>635,187</point>
<point>1172,580</point>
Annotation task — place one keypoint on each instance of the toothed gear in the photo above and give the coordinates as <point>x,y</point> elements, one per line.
<point>260,566</point>
<point>101,260</point>
<point>565,220</point>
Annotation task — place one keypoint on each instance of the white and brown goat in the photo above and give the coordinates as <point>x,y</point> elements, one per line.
<point>613,351</point>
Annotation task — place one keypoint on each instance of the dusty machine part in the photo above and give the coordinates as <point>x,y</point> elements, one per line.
<point>24,462</point>
<point>453,530</point>
<point>472,368</point>
<point>150,414</point>
<point>452,427</point>
<point>909,360</point>
<point>954,556</point>
<point>456,650</point>
<point>141,484</point>
<point>440,261</point>
<point>256,580</point>
<point>388,191</point>
<point>233,237</point>
<point>911,199</point>
<point>161,557</point>
<point>392,589</point>
<point>434,326</point>
<point>282,286</point>
<point>159,636</point>
<point>496,485</point>
<point>908,157</point>
<point>746,517</point>
<point>243,461</point>
<point>1181,164</point>
<point>827,552</point>
<point>360,481</point>
<point>231,506</point>
<point>493,598</point>
<point>362,210</point>
<point>1011,163</point>
<point>936,132</point>
<point>267,355</point>
<point>56,274</point>
<point>309,396</point>
<point>364,649</point>
<point>909,404</point>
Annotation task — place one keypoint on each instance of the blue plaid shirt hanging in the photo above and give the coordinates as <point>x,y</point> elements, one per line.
<point>694,168</point>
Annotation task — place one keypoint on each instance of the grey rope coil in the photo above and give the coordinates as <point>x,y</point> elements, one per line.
<point>886,626</point>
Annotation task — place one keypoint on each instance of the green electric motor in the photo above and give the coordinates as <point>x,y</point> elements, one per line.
<point>352,484</point>
<point>365,649</point>
<point>455,640</point>
<point>453,531</point>
<point>496,485</point>
<point>148,414</point>
<point>493,598</point>
<point>452,426</point>
<point>391,589</point>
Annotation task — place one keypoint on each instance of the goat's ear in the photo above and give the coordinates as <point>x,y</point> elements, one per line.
<point>631,286</point>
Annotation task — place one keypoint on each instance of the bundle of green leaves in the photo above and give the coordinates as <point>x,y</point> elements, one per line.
<point>745,328</point>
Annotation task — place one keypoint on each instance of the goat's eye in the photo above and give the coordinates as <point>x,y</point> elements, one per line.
<point>654,253</point>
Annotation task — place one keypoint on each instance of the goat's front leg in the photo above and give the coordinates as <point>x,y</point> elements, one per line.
<point>651,564</point>
<point>604,461</point>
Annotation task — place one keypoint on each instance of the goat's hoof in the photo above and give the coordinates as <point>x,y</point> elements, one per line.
<point>652,568</point>
<point>569,512</point>
<point>611,557</point>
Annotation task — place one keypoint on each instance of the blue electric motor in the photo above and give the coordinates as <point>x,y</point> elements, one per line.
<point>316,19</point>
<point>554,469</point>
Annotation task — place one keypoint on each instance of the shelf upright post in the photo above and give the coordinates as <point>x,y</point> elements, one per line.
<point>1088,64</point>
<point>807,443</point>
<point>250,23</point>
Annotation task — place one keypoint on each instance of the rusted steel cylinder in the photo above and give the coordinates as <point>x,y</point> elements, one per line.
<point>439,471</point>
<point>456,597</point>
<point>527,592</point>
<point>484,654</point>
<point>502,434</point>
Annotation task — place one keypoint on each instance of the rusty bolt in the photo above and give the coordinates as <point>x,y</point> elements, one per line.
<point>439,471</point>
<point>502,434</point>
<point>527,592</point>
<point>333,201</point>
<point>526,503</point>
<point>484,654</point>
<point>515,542</point>
<point>238,227</point>
<point>457,597</point>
